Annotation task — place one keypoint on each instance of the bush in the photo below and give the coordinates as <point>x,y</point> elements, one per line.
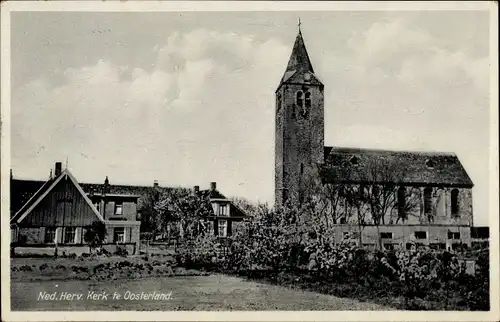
<point>43,266</point>
<point>25,268</point>
<point>121,251</point>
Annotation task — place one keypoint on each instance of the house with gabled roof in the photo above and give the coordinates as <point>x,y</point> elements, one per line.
<point>60,212</point>
<point>226,214</point>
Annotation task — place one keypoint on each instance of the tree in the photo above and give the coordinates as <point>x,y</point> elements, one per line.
<point>95,235</point>
<point>149,216</point>
<point>184,208</point>
<point>386,191</point>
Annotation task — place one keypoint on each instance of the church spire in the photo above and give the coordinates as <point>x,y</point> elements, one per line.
<point>299,68</point>
<point>299,59</point>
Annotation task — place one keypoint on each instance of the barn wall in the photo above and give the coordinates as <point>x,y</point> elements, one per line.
<point>63,206</point>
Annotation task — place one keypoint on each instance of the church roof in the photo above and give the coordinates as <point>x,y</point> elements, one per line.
<point>299,63</point>
<point>382,166</point>
<point>299,59</point>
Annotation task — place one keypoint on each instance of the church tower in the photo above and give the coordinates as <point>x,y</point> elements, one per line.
<point>299,136</point>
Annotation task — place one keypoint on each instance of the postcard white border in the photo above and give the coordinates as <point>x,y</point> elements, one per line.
<point>130,6</point>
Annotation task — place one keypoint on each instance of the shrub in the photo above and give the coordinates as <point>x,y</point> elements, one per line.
<point>121,251</point>
<point>95,234</point>
<point>44,266</point>
<point>25,268</point>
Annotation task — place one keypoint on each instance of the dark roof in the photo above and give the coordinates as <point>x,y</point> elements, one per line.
<point>22,200</point>
<point>299,64</point>
<point>212,194</point>
<point>299,59</point>
<point>23,190</point>
<point>410,167</point>
<point>26,193</point>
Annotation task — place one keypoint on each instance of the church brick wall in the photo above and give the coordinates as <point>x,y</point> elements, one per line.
<point>403,234</point>
<point>299,140</point>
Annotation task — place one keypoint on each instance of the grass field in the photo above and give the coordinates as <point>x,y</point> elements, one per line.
<point>208,293</point>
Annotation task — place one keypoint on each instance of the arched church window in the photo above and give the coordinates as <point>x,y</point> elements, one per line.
<point>401,201</point>
<point>308,100</point>
<point>301,169</point>
<point>428,200</point>
<point>454,202</point>
<point>299,99</point>
<point>278,102</point>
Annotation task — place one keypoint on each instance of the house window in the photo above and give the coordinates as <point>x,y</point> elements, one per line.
<point>222,228</point>
<point>50,235</point>
<point>299,101</point>
<point>118,208</point>
<point>453,235</point>
<point>421,235</point>
<point>386,235</point>
<point>401,201</point>
<point>119,234</point>
<point>210,227</point>
<point>301,168</point>
<point>354,160</point>
<point>454,202</point>
<point>69,235</point>
<point>223,210</point>
<point>84,232</point>
<point>428,200</point>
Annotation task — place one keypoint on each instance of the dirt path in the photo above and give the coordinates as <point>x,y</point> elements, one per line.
<point>213,293</point>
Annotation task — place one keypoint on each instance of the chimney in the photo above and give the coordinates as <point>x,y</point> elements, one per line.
<point>58,169</point>
<point>213,186</point>
<point>196,190</point>
<point>155,184</point>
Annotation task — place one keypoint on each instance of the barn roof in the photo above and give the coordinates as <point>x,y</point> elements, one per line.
<point>409,167</point>
<point>43,191</point>
<point>23,191</point>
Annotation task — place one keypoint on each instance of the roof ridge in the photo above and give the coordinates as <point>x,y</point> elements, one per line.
<point>353,149</point>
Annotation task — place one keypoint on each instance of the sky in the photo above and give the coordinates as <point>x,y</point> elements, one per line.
<point>187,98</point>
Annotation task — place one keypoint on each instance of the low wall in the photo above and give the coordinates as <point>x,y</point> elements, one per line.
<point>50,250</point>
<point>77,249</point>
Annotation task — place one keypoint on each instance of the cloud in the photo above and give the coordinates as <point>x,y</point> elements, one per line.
<point>396,87</point>
<point>203,108</point>
<point>195,117</point>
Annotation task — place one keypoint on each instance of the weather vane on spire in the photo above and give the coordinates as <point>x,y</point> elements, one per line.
<point>299,23</point>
